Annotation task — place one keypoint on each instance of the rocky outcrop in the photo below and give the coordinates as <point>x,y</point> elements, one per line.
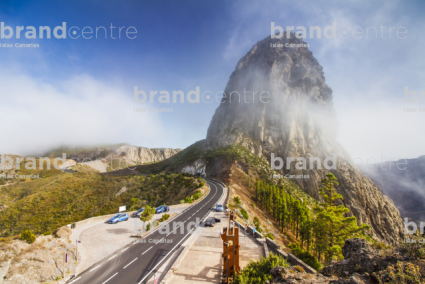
<point>290,275</point>
<point>359,257</point>
<point>63,232</point>
<point>129,153</point>
<point>145,155</point>
<point>277,103</point>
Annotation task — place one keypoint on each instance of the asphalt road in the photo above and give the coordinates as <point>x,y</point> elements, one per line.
<point>135,263</point>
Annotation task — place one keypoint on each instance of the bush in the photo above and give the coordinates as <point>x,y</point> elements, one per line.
<point>237,199</point>
<point>28,236</point>
<point>148,226</point>
<point>269,235</point>
<point>305,256</point>
<point>148,213</point>
<point>259,271</point>
<point>197,195</point>
<point>299,268</point>
<point>244,214</point>
<point>164,218</point>
<point>188,200</point>
<point>402,273</point>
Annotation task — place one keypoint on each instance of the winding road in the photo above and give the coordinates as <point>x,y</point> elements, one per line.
<point>135,263</point>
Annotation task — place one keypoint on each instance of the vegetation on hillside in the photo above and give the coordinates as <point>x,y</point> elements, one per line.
<point>321,230</point>
<point>42,205</point>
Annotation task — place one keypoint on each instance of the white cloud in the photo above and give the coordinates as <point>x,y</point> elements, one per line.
<point>80,111</point>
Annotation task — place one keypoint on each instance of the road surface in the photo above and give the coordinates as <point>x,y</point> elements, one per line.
<point>135,264</point>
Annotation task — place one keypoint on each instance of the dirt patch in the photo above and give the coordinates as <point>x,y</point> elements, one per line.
<point>118,231</point>
<point>41,261</point>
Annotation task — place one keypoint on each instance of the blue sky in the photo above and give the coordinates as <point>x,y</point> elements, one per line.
<point>81,91</point>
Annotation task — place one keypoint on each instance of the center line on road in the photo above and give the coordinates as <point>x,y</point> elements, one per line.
<point>110,278</point>
<point>112,257</point>
<point>95,268</point>
<point>147,250</point>
<point>124,249</point>
<point>131,262</point>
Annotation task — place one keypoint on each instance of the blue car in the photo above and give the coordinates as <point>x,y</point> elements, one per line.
<point>118,218</point>
<point>162,209</point>
<point>219,208</point>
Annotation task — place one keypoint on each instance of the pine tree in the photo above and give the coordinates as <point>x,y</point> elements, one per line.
<point>331,226</point>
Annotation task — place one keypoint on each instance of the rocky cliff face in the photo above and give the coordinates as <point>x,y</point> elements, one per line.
<point>132,154</point>
<point>145,155</point>
<point>294,117</point>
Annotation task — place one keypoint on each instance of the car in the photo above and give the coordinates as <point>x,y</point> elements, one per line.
<point>118,218</point>
<point>162,209</point>
<point>210,222</point>
<point>219,208</point>
<point>138,213</point>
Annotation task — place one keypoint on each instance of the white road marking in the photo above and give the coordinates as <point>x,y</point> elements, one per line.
<point>165,256</point>
<point>147,250</point>
<point>112,257</point>
<point>110,278</point>
<point>131,262</point>
<point>74,280</point>
<point>95,268</point>
<point>159,241</point>
<point>124,249</point>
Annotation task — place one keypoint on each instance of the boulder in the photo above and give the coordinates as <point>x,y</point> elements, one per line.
<point>63,232</point>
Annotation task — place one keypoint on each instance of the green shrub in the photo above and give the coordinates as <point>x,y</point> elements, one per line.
<point>244,214</point>
<point>164,217</point>
<point>259,271</point>
<point>188,200</point>
<point>305,256</point>
<point>147,214</point>
<point>299,268</point>
<point>237,199</point>
<point>269,235</point>
<point>148,226</point>
<point>28,236</point>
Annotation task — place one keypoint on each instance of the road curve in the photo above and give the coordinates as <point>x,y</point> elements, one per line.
<point>135,263</point>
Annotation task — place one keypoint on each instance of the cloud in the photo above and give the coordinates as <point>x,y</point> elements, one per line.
<point>37,116</point>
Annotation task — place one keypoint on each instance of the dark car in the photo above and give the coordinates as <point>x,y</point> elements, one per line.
<point>138,213</point>
<point>210,222</point>
<point>162,209</point>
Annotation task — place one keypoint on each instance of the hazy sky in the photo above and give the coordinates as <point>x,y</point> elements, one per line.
<point>80,91</point>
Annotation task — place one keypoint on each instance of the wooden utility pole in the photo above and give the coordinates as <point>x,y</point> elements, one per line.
<point>230,250</point>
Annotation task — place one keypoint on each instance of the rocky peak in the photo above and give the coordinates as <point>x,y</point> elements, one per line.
<point>295,118</point>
